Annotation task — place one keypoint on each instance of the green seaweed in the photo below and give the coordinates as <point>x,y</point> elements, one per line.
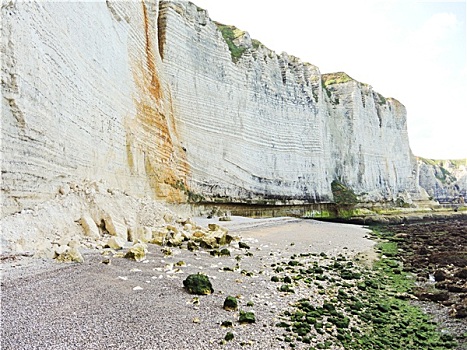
<point>379,316</point>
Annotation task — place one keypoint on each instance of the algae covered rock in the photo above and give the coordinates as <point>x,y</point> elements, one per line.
<point>226,324</point>
<point>209,243</point>
<point>214,252</point>
<point>198,284</point>
<point>230,303</point>
<point>224,252</point>
<point>221,237</point>
<point>137,252</point>
<point>247,317</point>
<point>243,245</point>
<point>287,288</point>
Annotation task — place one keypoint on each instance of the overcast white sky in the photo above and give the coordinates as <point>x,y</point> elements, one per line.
<point>414,51</point>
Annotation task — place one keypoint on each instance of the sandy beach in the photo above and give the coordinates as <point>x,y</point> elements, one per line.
<point>142,305</point>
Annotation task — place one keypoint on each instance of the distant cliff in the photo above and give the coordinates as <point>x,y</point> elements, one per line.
<point>444,180</point>
<point>154,98</point>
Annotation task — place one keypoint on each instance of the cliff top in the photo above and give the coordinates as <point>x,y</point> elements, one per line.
<point>451,163</point>
<point>239,42</point>
<point>233,37</point>
<point>336,78</point>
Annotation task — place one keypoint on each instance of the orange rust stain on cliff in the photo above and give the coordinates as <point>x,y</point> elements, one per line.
<point>155,87</point>
<point>152,134</point>
<point>164,161</point>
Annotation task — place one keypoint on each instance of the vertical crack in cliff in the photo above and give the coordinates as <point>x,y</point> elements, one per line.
<point>162,28</point>
<point>152,142</point>
<point>113,11</point>
<point>155,86</point>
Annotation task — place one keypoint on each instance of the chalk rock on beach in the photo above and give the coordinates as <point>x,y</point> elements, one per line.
<point>90,228</point>
<point>214,227</point>
<point>159,236</point>
<point>115,226</point>
<point>61,249</point>
<point>45,250</point>
<point>199,234</point>
<point>137,252</point>
<point>115,243</point>
<point>140,234</point>
<point>70,255</point>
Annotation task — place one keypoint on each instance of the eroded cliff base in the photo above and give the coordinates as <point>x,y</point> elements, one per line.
<point>91,216</point>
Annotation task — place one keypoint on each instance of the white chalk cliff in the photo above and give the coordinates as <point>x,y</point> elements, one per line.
<point>444,180</point>
<point>82,98</point>
<point>259,126</point>
<point>147,97</point>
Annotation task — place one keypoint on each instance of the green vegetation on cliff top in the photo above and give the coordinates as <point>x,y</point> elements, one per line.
<point>444,162</point>
<point>341,78</point>
<point>335,78</point>
<point>230,33</point>
<point>443,168</point>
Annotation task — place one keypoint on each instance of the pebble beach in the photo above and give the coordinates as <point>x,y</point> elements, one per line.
<point>116,303</point>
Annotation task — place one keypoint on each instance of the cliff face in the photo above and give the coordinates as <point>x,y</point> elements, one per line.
<point>368,140</point>
<point>258,126</point>
<point>148,97</point>
<point>444,180</point>
<point>82,98</point>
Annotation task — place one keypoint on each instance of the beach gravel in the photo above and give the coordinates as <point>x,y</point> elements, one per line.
<point>124,304</point>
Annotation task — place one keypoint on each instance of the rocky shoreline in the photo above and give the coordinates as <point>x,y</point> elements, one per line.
<point>400,216</point>
<point>436,253</point>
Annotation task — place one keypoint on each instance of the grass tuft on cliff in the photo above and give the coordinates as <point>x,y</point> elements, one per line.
<point>335,78</point>
<point>451,163</point>
<point>256,44</point>
<point>381,100</point>
<point>230,33</point>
